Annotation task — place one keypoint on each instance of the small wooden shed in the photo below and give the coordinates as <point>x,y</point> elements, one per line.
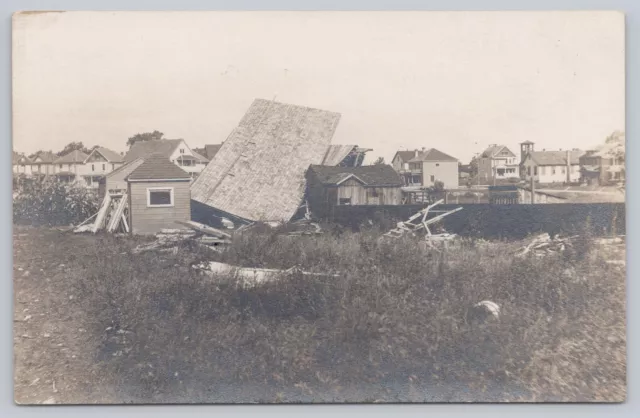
<point>159,195</point>
<point>329,186</point>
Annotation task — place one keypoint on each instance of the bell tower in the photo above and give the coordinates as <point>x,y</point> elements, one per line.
<point>525,148</point>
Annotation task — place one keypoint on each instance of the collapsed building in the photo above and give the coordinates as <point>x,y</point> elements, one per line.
<point>258,174</point>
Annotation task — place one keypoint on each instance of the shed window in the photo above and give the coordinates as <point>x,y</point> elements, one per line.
<point>93,167</point>
<point>372,193</point>
<point>345,201</point>
<point>104,167</point>
<point>160,196</point>
<point>433,178</point>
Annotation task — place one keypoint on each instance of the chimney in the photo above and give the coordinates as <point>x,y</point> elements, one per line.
<point>568,166</point>
<point>416,153</point>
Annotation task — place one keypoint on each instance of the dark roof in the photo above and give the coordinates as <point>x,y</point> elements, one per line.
<point>555,157</point>
<point>494,150</point>
<point>405,155</point>
<point>144,149</point>
<point>45,156</point>
<point>209,150</point>
<point>75,156</point>
<point>527,143</point>
<point>111,156</point>
<point>433,154</point>
<point>158,167</point>
<point>370,175</point>
<point>198,156</point>
<point>19,156</point>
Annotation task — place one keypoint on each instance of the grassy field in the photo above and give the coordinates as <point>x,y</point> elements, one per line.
<point>95,323</point>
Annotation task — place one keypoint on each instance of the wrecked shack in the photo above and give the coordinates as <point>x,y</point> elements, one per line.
<point>328,187</point>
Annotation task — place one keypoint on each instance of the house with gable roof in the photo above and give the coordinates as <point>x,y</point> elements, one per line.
<point>329,186</point>
<point>499,162</point>
<point>175,150</point>
<point>561,166</point>
<point>69,166</point>
<point>425,167</point>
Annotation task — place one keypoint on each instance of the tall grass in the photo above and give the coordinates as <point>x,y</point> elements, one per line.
<point>392,325</point>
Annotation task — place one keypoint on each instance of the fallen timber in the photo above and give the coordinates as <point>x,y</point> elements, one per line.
<point>168,240</point>
<point>419,224</point>
<point>253,276</point>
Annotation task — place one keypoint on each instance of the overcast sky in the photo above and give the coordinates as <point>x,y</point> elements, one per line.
<point>454,81</point>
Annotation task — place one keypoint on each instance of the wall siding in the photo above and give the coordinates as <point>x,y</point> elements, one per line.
<point>444,171</point>
<point>361,195</point>
<point>150,220</point>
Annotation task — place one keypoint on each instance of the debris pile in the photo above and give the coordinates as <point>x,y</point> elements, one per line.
<point>168,240</point>
<point>543,245</point>
<point>419,224</point>
<point>304,227</point>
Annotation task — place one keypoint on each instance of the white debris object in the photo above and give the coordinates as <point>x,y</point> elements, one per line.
<point>227,223</point>
<point>483,311</point>
<point>491,307</point>
<point>251,275</point>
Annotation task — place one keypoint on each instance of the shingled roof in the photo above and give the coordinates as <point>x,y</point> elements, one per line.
<point>209,150</point>
<point>154,146</point>
<point>406,155</point>
<point>432,154</point>
<point>555,157</point>
<point>158,167</point>
<point>370,175</point>
<point>45,156</point>
<point>258,173</point>
<point>75,156</point>
<point>493,150</point>
<point>110,156</point>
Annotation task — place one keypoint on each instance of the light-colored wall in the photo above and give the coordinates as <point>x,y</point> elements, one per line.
<point>486,167</point>
<point>174,158</point>
<point>398,164</point>
<point>444,171</point>
<point>150,220</point>
<point>550,174</point>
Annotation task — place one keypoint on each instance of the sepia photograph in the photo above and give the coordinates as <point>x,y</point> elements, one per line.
<point>318,207</point>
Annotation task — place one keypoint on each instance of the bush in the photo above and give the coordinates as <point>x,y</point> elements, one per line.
<point>53,203</point>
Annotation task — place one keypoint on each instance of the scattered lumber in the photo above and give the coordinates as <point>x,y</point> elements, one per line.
<point>305,227</point>
<point>251,275</point>
<point>419,223</point>
<point>205,229</point>
<point>543,245</point>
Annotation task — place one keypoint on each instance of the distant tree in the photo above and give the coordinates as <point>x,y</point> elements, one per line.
<point>437,187</point>
<point>378,161</point>
<point>616,143</point>
<point>147,136</point>
<point>72,146</point>
<point>473,167</point>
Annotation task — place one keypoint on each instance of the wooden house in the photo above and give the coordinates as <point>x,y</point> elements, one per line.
<point>365,185</point>
<point>158,193</point>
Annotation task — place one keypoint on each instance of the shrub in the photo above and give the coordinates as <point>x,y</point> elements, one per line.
<point>53,203</point>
